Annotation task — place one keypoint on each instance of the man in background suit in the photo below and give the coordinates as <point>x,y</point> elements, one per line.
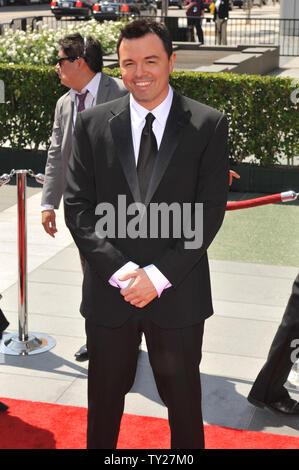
<point>221,13</point>
<point>152,147</point>
<point>79,66</point>
<point>268,390</point>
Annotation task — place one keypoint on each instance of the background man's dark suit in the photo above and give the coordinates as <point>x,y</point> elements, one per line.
<point>3,325</point>
<point>191,166</point>
<point>268,387</point>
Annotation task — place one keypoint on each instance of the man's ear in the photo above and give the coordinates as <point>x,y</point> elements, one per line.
<point>81,61</point>
<point>171,61</point>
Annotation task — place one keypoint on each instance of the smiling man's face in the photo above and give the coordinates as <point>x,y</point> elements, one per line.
<point>145,68</point>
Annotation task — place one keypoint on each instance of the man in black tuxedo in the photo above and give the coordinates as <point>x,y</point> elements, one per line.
<point>153,147</point>
<point>268,390</point>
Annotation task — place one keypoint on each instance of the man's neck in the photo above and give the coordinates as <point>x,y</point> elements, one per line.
<point>153,105</point>
<point>84,82</point>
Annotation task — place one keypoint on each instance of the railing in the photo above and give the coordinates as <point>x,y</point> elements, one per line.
<point>240,31</point>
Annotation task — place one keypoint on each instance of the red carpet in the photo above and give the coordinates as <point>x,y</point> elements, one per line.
<point>32,425</point>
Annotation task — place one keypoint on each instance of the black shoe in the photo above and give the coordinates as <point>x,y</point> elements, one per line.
<point>3,407</point>
<point>82,354</point>
<point>286,406</point>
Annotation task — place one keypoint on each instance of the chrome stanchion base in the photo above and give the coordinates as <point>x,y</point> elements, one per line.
<point>293,378</point>
<point>35,344</point>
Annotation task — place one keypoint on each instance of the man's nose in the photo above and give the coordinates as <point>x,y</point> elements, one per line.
<point>139,71</point>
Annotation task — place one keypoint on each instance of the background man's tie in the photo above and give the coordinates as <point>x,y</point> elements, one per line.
<point>81,101</point>
<point>147,155</point>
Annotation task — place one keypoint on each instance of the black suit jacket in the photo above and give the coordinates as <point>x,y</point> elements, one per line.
<point>191,166</point>
<point>223,11</point>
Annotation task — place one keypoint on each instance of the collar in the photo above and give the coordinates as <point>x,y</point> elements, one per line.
<point>138,112</point>
<point>92,87</point>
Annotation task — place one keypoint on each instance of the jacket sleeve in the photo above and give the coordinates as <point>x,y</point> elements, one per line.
<point>80,203</point>
<point>53,185</point>
<point>212,191</point>
<point>116,89</point>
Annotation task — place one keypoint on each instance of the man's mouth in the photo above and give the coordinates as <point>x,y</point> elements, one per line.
<point>143,84</point>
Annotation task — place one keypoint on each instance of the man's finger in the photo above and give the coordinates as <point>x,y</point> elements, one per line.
<point>141,304</point>
<point>232,174</point>
<point>49,222</point>
<point>127,276</point>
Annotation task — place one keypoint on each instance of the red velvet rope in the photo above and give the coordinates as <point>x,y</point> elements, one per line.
<point>260,201</point>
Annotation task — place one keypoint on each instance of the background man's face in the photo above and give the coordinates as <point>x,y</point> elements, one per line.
<point>67,71</point>
<point>145,68</point>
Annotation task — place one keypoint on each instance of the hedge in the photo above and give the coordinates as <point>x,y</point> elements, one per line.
<point>263,120</point>
<point>30,95</point>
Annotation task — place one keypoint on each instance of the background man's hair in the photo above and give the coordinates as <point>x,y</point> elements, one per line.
<point>73,46</point>
<point>139,28</point>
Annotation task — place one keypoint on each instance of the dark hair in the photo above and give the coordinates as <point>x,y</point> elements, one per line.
<point>73,46</point>
<point>139,28</point>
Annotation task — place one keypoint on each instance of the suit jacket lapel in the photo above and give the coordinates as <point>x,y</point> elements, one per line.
<point>120,125</point>
<point>68,109</point>
<point>178,118</point>
<point>103,89</point>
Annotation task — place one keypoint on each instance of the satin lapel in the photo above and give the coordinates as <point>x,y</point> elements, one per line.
<point>178,118</point>
<point>120,125</point>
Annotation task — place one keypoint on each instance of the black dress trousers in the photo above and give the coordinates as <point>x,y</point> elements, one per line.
<point>174,355</point>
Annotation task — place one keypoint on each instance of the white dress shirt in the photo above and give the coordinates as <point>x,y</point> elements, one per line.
<point>138,114</point>
<point>90,100</point>
<point>217,4</point>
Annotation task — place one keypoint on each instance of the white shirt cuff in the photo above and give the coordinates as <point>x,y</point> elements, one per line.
<point>47,207</point>
<point>115,282</point>
<point>158,279</point>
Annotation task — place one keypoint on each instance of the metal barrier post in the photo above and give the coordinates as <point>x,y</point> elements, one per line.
<point>22,254</point>
<point>23,343</point>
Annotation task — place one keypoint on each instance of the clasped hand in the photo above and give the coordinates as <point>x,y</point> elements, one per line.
<point>140,291</point>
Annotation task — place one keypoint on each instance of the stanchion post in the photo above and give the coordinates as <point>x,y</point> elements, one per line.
<point>23,343</point>
<point>22,254</point>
